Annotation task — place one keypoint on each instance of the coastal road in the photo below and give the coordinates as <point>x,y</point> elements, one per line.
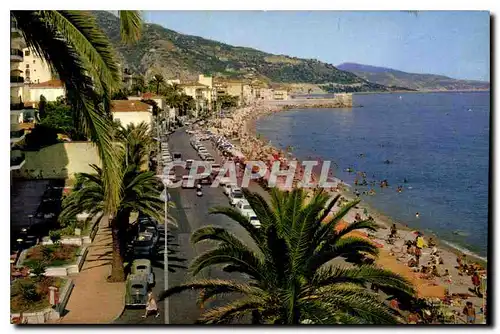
<point>191,213</point>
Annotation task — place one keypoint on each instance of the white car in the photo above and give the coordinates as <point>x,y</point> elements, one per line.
<point>254,220</point>
<point>215,168</point>
<point>244,207</point>
<point>235,196</point>
<point>226,185</point>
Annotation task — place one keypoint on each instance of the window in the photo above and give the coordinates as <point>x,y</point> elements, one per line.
<point>27,53</point>
<point>27,73</point>
<point>33,61</point>
<point>27,65</point>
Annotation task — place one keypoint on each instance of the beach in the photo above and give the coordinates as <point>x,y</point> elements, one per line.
<point>240,129</point>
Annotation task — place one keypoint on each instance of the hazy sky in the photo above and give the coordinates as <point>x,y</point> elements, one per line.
<point>456,44</point>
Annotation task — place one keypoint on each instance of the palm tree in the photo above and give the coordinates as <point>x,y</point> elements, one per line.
<point>157,81</point>
<point>139,85</point>
<point>288,275</point>
<point>77,50</point>
<point>141,194</point>
<point>138,142</point>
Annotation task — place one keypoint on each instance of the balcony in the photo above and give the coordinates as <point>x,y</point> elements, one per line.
<point>17,106</point>
<point>16,55</point>
<point>17,160</point>
<point>16,81</point>
<point>14,29</point>
<point>16,135</point>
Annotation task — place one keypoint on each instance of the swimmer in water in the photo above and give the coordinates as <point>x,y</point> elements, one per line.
<point>417,215</point>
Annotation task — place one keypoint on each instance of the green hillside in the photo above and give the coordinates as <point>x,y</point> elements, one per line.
<point>172,54</point>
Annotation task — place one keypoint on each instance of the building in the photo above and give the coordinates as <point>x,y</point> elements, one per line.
<point>17,92</point>
<point>230,87</point>
<point>167,114</point>
<point>202,95</point>
<point>173,81</point>
<point>280,94</point>
<point>132,112</point>
<point>51,90</point>
<point>35,68</point>
<point>160,100</point>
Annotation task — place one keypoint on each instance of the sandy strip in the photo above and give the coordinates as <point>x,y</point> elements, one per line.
<point>241,129</point>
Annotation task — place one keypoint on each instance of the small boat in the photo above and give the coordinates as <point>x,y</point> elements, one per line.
<point>400,97</point>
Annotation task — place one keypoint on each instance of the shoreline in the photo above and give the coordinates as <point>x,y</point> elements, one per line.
<point>240,128</point>
<point>248,131</point>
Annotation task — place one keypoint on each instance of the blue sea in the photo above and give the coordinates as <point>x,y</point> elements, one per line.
<point>438,142</point>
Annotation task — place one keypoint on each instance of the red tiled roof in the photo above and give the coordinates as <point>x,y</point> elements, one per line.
<point>130,106</point>
<point>49,84</point>
<point>150,96</point>
<point>26,126</point>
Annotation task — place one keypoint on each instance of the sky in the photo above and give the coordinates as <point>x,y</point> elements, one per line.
<point>451,43</point>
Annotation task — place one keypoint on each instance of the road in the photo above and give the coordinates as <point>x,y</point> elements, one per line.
<point>191,213</point>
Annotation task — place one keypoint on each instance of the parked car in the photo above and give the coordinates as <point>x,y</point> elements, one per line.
<point>226,185</point>
<point>143,245</point>
<point>136,293</point>
<point>244,207</point>
<point>253,219</point>
<point>177,156</point>
<point>206,180</point>
<point>215,168</point>
<point>209,158</point>
<point>189,162</point>
<point>235,196</point>
<point>143,267</point>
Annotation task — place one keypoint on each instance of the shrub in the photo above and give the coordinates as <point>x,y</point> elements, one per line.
<point>38,269</point>
<point>55,236</point>
<point>27,291</point>
<point>52,255</point>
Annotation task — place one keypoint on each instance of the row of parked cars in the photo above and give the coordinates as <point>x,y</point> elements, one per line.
<point>142,247</point>
<point>197,143</point>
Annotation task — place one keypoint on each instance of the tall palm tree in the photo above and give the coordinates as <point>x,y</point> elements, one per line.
<point>157,81</point>
<point>141,194</point>
<point>76,49</point>
<point>138,142</point>
<point>288,275</point>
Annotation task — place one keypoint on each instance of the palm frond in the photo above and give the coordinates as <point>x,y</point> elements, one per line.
<point>130,26</point>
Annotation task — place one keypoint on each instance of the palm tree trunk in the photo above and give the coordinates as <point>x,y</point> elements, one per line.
<point>119,230</point>
<point>255,317</point>
<point>117,270</point>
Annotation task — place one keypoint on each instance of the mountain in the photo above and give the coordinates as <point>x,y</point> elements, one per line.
<point>390,77</point>
<point>173,55</point>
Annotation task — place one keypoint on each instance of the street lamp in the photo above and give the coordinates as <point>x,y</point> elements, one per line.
<point>166,198</point>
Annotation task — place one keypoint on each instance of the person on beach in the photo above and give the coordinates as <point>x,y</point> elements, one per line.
<point>476,282</point>
<point>151,306</point>
<point>470,313</point>
<point>394,231</point>
<point>418,254</point>
<point>435,271</point>
<point>431,243</point>
<point>417,215</point>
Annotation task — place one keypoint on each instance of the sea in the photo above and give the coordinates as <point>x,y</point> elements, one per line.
<point>438,143</point>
